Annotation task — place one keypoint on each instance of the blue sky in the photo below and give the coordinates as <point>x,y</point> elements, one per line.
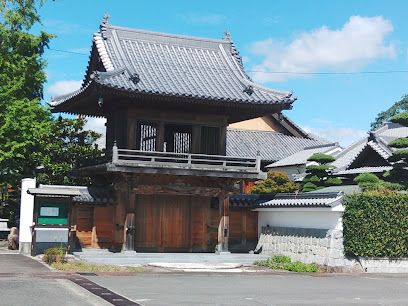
<point>272,36</point>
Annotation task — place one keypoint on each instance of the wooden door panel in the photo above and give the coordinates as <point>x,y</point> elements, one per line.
<point>200,207</point>
<point>103,226</point>
<point>175,220</point>
<point>84,225</point>
<point>147,223</point>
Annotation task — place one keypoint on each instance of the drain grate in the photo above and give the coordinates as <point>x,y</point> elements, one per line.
<point>102,292</point>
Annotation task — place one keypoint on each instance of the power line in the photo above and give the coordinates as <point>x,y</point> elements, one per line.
<point>275,72</point>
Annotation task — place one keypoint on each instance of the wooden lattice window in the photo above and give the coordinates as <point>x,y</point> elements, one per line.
<point>147,136</point>
<point>178,138</point>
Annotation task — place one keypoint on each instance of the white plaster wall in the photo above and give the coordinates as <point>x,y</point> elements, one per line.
<point>300,219</point>
<point>26,211</point>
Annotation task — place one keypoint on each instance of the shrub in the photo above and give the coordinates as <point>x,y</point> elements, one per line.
<point>298,266</point>
<point>276,182</point>
<point>56,254</point>
<point>376,224</point>
<point>282,262</point>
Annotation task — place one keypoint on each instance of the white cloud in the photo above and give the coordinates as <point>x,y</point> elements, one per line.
<point>97,125</point>
<point>359,41</point>
<point>209,19</point>
<point>63,87</point>
<point>343,135</point>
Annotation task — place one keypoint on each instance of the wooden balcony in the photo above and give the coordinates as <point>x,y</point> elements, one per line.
<point>185,164</point>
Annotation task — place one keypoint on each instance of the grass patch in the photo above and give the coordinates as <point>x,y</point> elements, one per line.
<point>281,262</point>
<point>79,266</point>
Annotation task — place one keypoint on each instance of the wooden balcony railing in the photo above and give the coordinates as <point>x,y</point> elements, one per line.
<point>184,160</point>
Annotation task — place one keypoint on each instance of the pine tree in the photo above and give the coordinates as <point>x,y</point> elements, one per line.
<point>318,176</point>
<point>399,158</point>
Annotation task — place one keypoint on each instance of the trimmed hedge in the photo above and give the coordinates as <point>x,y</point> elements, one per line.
<point>376,224</point>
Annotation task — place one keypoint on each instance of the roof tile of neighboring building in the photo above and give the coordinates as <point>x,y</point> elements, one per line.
<point>300,158</point>
<point>327,199</point>
<point>145,62</point>
<point>378,140</point>
<point>79,194</point>
<point>272,146</point>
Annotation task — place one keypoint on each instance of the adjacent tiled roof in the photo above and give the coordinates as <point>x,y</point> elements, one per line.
<point>345,189</point>
<point>272,146</point>
<point>248,200</point>
<point>79,194</point>
<point>378,141</point>
<point>330,199</point>
<point>300,158</point>
<point>145,62</point>
<point>359,170</point>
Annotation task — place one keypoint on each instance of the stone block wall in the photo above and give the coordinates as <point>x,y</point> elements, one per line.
<point>308,245</point>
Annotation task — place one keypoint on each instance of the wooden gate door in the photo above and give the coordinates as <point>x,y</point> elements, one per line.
<point>175,222</point>
<point>103,235</point>
<point>84,225</point>
<point>147,231</point>
<point>162,223</point>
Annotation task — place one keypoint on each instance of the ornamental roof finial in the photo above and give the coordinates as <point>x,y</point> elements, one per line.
<point>105,18</point>
<point>227,35</point>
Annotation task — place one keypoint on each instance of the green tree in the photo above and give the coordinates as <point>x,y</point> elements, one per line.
<point>399,158</point>
<point>22,117</point>
<point>276,182</point>
<point>29,136</point>
<point>318,176</point>
<point>66,147</point>
<point>385,116</point>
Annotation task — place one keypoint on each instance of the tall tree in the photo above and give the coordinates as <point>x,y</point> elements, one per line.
<point>385,116</point>
<point>22,117</point>
<point>318,176</point>
<point>29,136</point>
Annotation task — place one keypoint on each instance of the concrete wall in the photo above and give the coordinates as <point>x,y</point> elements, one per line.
<point>310,235</point>
<point>307,218</point>
<point>26,216</point>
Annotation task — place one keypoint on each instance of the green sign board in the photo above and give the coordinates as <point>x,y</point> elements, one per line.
<point>52,213</point>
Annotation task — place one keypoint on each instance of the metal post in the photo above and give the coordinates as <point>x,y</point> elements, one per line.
<point>115,154</point>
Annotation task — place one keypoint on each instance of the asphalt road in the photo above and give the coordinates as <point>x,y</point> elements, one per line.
<point>24,282</point>
<point>251,289</point>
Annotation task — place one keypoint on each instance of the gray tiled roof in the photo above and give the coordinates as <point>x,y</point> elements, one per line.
<point>327,199</point>
<point>345,189</point>
<point>378,141</point>
<point>163,64</point>
<point>359,170</point>
<point>79,194</point>
<point>300,158</point>
<point>272,146</point>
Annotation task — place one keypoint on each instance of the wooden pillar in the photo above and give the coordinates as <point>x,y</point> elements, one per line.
<point>196,141</point>
<point>160,137</point>
<point>223,140</point>
<point>130,221</point>
<point>244,227</point>
<point>223,227</point>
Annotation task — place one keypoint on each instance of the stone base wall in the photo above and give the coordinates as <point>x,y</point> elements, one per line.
<point>308,245</point>
<point>384,265</point>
